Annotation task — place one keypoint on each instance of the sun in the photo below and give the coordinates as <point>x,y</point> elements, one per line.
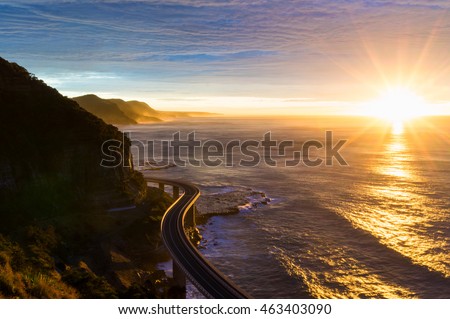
<point>397,105</point>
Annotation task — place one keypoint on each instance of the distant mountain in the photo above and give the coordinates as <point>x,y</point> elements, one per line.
<point>176,114</point>
<point>140,112</point>
<point>107,110</point>
<point>117,111</point>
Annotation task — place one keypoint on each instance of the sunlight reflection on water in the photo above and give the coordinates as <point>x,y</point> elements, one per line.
<point>397,213</point>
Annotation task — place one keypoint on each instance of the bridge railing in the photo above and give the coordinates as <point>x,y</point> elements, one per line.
<point>209,280</point>
<point>178,274</point>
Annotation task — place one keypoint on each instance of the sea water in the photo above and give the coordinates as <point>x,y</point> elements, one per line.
<point>378,227</point>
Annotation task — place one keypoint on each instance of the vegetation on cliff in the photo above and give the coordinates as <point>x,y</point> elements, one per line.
<point>59,237</point>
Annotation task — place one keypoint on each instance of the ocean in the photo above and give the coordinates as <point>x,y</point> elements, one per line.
<point>378,227</point>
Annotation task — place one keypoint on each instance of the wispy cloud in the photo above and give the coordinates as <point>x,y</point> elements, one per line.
<point>284,49</point>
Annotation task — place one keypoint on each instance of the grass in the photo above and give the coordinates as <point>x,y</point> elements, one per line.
<point>42,260</point>
<point>20,277</point>
<point>43,286</point>
<point>11,282</point>
<point>89,285</point>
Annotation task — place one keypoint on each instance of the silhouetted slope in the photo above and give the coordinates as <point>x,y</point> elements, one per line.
<point>107,110</point>
<point>57,239</point>
<point>47,139</point>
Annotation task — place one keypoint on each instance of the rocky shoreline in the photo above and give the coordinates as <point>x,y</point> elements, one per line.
<point>232,201</point>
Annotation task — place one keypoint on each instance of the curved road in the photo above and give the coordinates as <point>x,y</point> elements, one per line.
<point>209,280</point>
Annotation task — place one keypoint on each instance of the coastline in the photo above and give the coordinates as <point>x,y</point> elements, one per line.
<point>233,200</point>
<point>216,201</point>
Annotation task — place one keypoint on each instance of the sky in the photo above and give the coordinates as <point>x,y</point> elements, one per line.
<point>235,57</point>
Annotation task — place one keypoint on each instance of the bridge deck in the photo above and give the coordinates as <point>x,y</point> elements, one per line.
<point>208,279</point>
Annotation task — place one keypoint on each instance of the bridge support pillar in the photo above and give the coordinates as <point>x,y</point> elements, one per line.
<point>161,186</point>
<point>191,216</point>
<point>176,192</point>
<point>179,277</point>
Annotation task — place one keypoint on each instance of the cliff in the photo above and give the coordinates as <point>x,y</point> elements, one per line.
<point>50,143</point>
<point>118,111</point>
<point>140,112</point>
<point>58,237</point>
<point>107,110</point>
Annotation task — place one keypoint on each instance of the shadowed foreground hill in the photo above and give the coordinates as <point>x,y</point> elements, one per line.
<point>57,238</point>
<point>47,139</point>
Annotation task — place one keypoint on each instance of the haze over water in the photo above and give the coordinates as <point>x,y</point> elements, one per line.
<point>379,227</point>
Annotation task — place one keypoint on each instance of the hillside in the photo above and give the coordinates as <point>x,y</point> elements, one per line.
<point>118,111</point>
<point>139,111</point>
<point>57,236</point>
<point>107,110</point>
<point>46,136</point>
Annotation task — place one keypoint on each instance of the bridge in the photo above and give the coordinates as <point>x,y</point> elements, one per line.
<point>187,260</point>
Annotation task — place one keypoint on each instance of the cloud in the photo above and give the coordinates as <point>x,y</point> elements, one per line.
<point>229,47</point>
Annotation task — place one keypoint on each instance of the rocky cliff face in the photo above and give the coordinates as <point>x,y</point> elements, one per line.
<point>50,150</point>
